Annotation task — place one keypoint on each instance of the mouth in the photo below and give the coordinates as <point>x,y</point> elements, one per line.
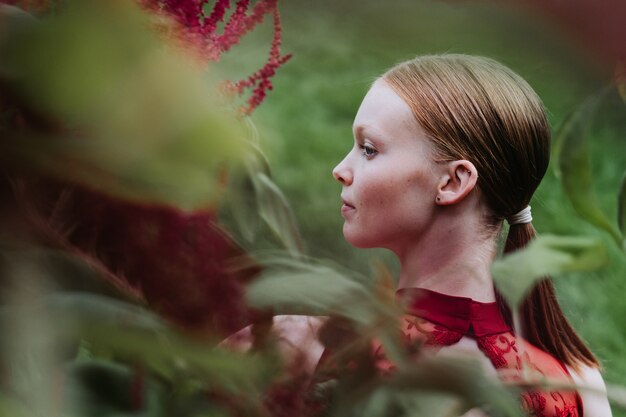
<point>347,207</point>
<point>346,203</point>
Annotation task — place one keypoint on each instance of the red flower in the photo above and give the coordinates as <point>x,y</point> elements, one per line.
<point>199,31</point>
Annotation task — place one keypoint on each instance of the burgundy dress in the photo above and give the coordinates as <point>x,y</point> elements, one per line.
<point>440,320</point>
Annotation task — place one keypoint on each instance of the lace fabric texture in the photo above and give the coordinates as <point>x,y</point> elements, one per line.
<point>452,318</point>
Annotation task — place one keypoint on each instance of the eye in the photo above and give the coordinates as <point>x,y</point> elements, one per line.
<point>368,151</point>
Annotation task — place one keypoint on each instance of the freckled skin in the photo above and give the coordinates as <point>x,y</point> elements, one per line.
<point>393,190</point>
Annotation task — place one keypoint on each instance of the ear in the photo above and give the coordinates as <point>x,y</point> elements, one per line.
<point>458,181</point>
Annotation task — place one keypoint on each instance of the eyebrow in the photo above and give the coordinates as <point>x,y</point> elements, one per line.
<point>360,129</point>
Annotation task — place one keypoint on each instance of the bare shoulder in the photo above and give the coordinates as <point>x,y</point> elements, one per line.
<point>595,400</point>
<point>297,330</point>
<point>297,338</point>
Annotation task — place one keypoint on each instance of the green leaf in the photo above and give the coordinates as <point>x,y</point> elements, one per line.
<point>277,213</point>
<point>300,288</point>
<point>573,164</point>
<point>433,386</point>
<point>617,395</point>
<point>548,255</point>
<point>241,205</point>
<point>141,121</point>
<point>77,308</point>
<point>429,404</point>
<point>463,377</point>
<point>621,212</point>
<point>104,388</point>
<point>384,401</point>
<point>319,291</point>
<point>130,333</point>
<point>10,408</point>
<point>14,21</point>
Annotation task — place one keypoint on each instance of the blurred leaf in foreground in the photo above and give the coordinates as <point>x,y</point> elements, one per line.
<point>573,165</point>
<point>9,408</point>
<point>114,108</point>
<point>117,114</point>
<point>133,333</point>
<point>464,377</point>
<point>130,334</point>
<point>103,388</point>
<point>548,255</point>
<point>276,211</point>
<point>429,387</point>
<point>299,287</point>
<point>617,394</point>
<point>253,195</point>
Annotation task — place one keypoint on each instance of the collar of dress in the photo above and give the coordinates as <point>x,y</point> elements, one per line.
<point>459,314</point>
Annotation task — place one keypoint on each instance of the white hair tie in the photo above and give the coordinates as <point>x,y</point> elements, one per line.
<point>522,217</point>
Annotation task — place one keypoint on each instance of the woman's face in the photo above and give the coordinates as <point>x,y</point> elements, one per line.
<point>389,177</point>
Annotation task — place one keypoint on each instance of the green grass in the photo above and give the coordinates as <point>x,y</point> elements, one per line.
<point>340,48</point>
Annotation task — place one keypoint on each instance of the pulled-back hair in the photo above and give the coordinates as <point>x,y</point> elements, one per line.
<point>477,109</point>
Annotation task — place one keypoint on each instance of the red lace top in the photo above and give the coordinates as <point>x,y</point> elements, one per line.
<point>440,320</point>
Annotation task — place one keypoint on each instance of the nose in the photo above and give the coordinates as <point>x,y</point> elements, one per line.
<point>343,173</point>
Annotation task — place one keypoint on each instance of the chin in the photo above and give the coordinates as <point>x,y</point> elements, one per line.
<point>358,240</point>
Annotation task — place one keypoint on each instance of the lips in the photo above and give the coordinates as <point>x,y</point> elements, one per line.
<point>347,203</point>
<point>347,207</point>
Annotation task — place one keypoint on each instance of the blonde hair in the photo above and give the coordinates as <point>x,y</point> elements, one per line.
<point>475,108</point>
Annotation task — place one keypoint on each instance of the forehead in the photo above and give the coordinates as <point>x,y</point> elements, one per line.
<point>383,110</point>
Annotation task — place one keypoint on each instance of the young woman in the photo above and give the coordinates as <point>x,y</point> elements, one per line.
<point>446,149</point>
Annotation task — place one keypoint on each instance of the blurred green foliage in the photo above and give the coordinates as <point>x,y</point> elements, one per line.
<point>547,255</point>
<point>140,122</point>
<point>144,126</point>
<point>573,165</point>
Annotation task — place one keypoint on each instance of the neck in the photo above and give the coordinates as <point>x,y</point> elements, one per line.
<point>459,265</point>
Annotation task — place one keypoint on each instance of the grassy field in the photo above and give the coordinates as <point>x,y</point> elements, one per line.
<point>339,49</point>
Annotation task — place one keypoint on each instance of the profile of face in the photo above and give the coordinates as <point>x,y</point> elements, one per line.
<point>390,178</point>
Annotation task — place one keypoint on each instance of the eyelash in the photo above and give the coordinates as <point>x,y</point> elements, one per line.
<point>365,149</point>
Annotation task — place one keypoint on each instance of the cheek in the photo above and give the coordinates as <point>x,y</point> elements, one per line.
<point>405,202</point>
<point>399,192</point>
<point>391,203</point>
<point>377,195</point>
<point>382,210</point>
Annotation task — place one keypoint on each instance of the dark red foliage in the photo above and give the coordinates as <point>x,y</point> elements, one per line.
<point>289,398</point>
<point>182,263</point>
<point>200,32</point>
<point>293,393</point>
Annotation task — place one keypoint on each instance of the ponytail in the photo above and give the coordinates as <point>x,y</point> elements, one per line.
<point>542,320</point>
